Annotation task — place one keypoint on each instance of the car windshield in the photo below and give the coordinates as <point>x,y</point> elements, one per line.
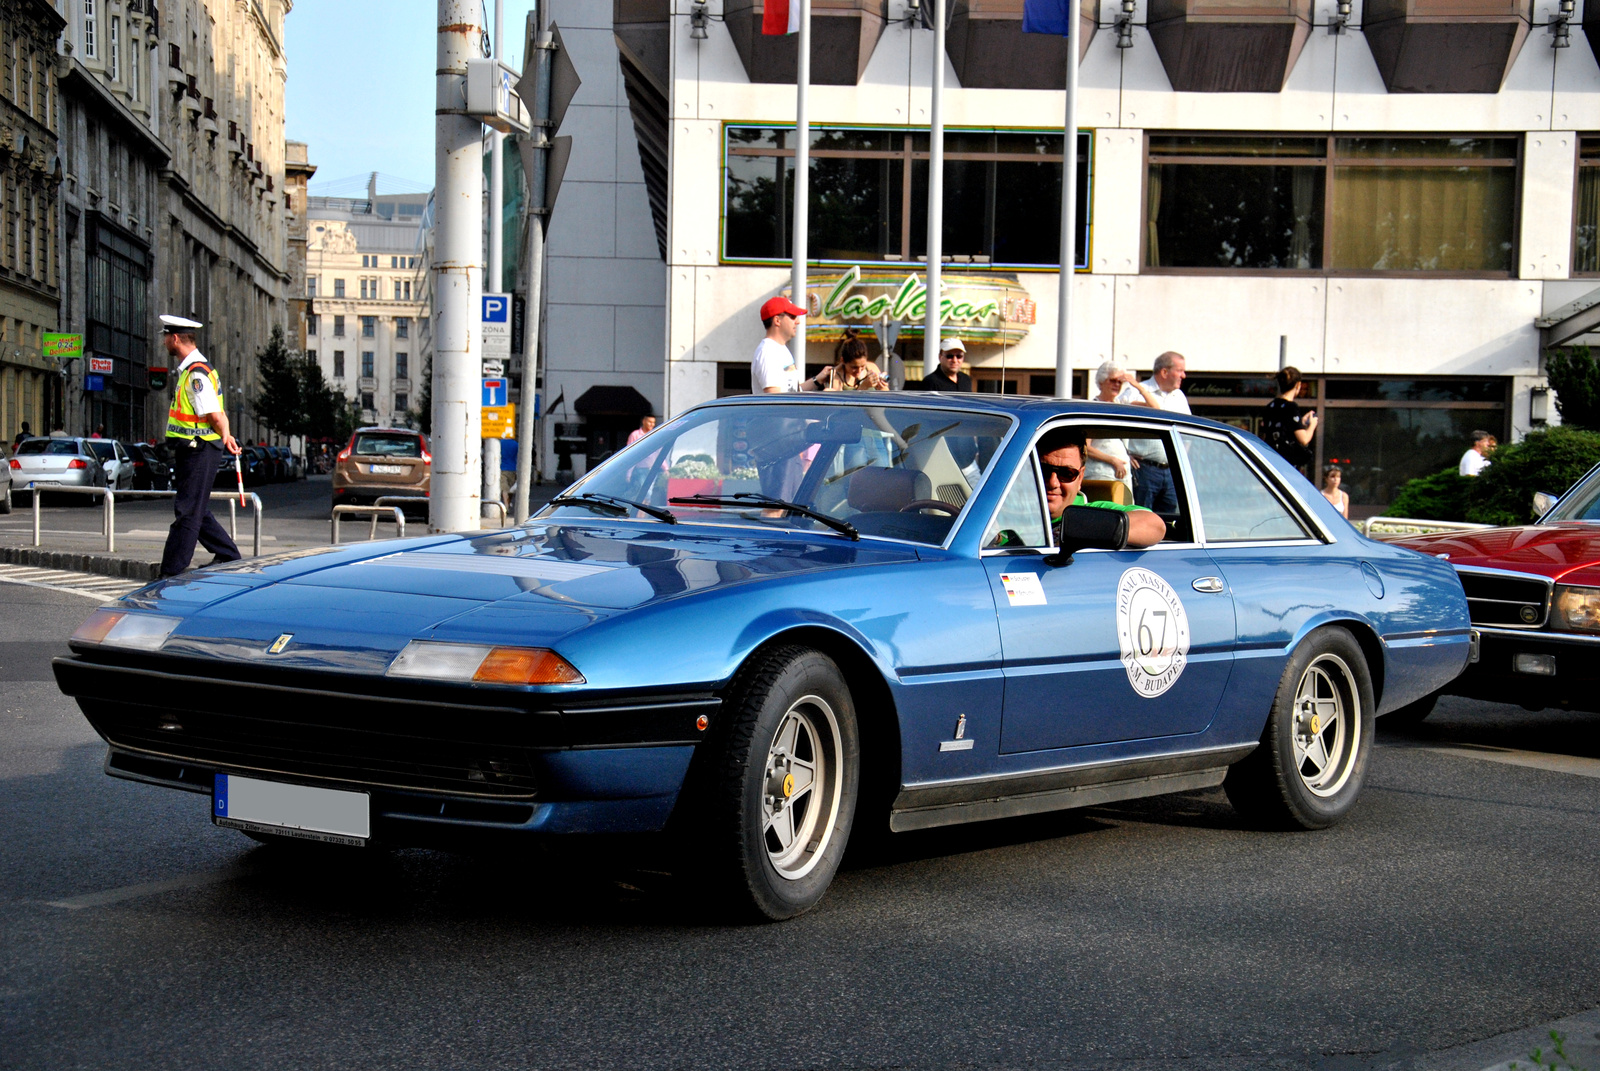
<point>103,450</point>
<point>893,471</point>
<point>52,447</point>
<point>1582,503</point>
<point>372,444</point>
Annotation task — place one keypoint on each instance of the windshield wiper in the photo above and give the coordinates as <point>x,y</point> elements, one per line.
<point>614,505</point>
<point>750,498</point>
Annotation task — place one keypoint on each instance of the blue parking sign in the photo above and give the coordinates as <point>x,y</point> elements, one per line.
<point>496,309</point>
<point>495,392</point>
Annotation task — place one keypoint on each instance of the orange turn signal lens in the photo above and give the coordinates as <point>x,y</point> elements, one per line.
<point>526,665</point>
<point>98,624</point>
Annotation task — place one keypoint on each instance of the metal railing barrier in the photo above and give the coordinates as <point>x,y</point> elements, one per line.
<point>394,513</point>
<point>412,500</point>
<point>1417,526</point>
<point>108,517</point>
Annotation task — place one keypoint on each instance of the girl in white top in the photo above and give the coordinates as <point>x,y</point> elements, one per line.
<point>1331,478</point>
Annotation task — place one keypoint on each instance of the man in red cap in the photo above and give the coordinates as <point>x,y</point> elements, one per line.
<point>773,369</point>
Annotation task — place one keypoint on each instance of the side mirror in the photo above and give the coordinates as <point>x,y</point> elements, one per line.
<point>1090,528</point>
<point>1544,502</point>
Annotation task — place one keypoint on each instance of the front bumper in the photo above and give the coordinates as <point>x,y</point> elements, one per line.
<point>1496,678</point>
<point>431,757</point>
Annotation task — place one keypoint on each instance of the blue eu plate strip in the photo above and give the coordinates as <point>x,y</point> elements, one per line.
<point>219,796</point>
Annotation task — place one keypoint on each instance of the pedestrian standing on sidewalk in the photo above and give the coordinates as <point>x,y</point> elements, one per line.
<point>197,434</point>
<point>1284,426</point>
<point>1152,473</point>
<point>21,435</point>
<point>773,370</point>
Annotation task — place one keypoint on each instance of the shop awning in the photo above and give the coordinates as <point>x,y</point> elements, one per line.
<point>612,401</point>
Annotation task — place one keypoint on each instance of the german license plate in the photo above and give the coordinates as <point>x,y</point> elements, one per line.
<point>325,814</point>
<point>389,470</point>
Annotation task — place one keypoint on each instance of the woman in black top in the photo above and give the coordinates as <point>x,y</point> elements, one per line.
<point>1284,427</point>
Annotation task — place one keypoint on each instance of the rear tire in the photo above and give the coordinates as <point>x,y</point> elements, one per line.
<point>5,501</point>
<point>1312,761</point>
<point>778,794</point>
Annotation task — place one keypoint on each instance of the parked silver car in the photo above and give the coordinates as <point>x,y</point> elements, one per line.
<point>114,458</point>
<point>63,462</point>
<point>5,483</point>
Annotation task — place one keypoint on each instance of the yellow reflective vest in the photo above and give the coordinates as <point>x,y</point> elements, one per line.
<point>182,421</point>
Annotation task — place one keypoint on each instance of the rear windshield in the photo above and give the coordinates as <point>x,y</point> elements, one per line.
<point>378,445</point>
<point>103,450</point>
<point>48,446</point>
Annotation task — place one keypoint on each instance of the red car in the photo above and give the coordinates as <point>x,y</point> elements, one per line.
<point>1534,595</point>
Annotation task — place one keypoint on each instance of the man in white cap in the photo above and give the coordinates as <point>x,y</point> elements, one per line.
<point>949,376</point>
<point>197,433</point>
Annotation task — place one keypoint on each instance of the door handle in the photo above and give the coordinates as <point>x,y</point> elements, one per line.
<point>1209,584</point>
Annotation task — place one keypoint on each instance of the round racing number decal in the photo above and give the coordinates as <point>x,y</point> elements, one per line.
<point>1152,630</point>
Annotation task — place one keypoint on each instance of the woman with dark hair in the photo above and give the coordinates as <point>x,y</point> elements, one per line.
<point>852,368</point>
<point>1332,476</point>
<point>1284,427</point>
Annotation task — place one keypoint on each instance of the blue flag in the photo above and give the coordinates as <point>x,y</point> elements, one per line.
<point>1045,16</point>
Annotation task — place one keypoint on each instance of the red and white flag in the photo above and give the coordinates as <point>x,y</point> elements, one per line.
<point>781,17</point>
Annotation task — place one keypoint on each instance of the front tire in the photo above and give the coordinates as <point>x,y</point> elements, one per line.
<point>786,775</point>
<point>5,501</point>
<point>1312,761</point>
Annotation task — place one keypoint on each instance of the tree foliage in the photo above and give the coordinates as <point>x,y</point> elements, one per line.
<point>1551,459</point>
<point>422,415</point>
<point>1575,377</point>
<point>295,399</point>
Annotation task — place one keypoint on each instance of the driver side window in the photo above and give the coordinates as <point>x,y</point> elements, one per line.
<point>1020,520</point>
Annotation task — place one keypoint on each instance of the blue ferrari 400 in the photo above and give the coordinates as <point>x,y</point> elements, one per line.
<point>780,620</point>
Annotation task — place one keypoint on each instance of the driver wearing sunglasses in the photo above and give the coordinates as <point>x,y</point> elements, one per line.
<point>1061,453</point>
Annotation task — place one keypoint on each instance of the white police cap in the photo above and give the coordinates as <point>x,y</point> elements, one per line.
<point>179,323</point>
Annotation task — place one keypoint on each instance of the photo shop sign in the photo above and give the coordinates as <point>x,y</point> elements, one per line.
<point>988,307</point>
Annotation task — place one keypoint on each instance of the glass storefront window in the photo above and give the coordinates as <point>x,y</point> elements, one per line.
<point>1380,449</point>
<point>1586,232</point>
<point>1346,204</point>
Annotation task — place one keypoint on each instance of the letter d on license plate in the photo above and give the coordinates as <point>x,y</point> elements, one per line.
<point>324,814</point>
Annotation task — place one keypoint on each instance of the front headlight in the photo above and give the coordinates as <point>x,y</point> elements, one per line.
<point>1578,608</point>
<point>483,664</point>
<point>118,628</point>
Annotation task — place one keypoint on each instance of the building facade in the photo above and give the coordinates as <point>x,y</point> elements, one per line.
<point>365,270</point>
<point>1388,201</point>
<point>30,182</point>
<point>297,171</point>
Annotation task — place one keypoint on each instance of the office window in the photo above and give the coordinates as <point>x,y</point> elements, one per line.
<point>338,288</point>
<point>338,364</point>
<point>311,355</point>
<point>366,364</point>
<point>313,324</point>
<point>311,286</point>
<point>91,43</point>
<point>413,263</point>
<point>1365,205</point>
<point>114,67</point>
<point>397,289</point>
<point>135,46</point>
<point>402,402</point>
<point>366,400</point>
<point>1586,235</point>
<point>369,327</point>
<point>402,327</point>
<point>394,262</point>
<point>402,366</point>
<point>338,327</point>
<point>869,193</point>
<point>408,290</point>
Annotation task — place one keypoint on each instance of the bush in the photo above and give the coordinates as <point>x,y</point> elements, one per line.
<point>1575,377</point>
<point>1551,459</point>
<point>1444,496</point>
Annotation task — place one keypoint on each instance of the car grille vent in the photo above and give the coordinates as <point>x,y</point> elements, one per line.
<point>1506,601</point>
<point>397,760</point>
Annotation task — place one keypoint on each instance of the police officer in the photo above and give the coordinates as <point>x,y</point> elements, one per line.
<point>197,433</point>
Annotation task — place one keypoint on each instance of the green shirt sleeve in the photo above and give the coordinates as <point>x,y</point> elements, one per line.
<point>1124,507</point>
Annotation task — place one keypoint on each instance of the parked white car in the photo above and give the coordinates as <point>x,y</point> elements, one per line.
<point>116,461</point>
<point>5,484</point>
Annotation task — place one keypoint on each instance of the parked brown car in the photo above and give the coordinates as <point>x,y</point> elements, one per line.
<point>381,461</point>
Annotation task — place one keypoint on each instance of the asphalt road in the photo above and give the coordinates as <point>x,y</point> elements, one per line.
<point>1457,903</point>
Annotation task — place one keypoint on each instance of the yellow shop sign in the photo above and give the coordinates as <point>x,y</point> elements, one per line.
<point>985,307</point>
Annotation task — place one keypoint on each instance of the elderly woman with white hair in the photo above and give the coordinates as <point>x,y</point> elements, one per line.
<point>1108,458</point>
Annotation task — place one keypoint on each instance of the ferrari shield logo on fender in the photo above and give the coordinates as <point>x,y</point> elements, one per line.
<point>280,643</point>
<point>1152,630</point>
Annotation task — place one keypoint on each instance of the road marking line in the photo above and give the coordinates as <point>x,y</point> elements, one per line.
<point>1533,760</point>
<point>89,586</point>
<point>149,888</point>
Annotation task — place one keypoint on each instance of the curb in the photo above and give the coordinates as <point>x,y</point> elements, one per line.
<point>99,564</point>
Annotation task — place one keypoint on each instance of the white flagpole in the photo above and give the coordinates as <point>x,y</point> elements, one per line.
<point>1069,208</point>
<point>931,322</point>
<point>802,179</point>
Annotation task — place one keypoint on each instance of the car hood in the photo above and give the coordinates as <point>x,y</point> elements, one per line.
<point>528,586</point>
<point>1567,552</point>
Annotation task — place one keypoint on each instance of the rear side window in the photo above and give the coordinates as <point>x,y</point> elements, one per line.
<point>1235,504</point>
<point>52,447</point>
<point>375,444</point>
<point>103,450</point>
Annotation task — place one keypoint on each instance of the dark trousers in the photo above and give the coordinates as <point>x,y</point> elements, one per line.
<point>193,475</point>
<point>1153,488</point>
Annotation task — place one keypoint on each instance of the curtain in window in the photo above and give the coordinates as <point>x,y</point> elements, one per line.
<point>1588,256</point>
<point>1422,219</point>
<point>1302,249</point>
<point>1153,213</point>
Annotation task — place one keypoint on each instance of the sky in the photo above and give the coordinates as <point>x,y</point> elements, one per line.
<point>360,87</point>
